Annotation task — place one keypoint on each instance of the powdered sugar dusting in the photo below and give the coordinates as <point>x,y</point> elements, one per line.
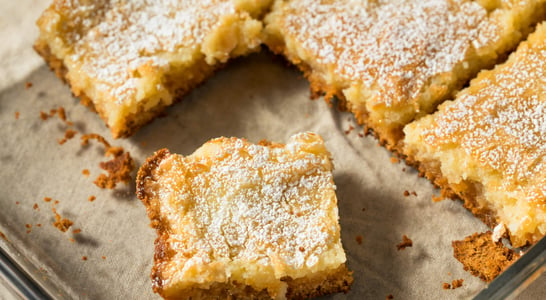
<point>500,120</point>
<point>238,201</point>
<point>394,47</point>
<point>118,41</point>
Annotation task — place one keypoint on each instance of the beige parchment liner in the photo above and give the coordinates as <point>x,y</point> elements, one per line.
<point>257,97</point>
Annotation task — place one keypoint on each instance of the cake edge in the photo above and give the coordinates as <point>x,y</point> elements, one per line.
<point>132,123</point>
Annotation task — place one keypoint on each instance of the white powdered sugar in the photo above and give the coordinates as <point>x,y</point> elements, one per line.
<point>395,47</point>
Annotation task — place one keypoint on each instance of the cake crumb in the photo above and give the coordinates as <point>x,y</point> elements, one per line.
<point>84,257</point>
<point>28,85</point>
<point>17,115</point>
<point>43,116</point>
<point>403,169</point>
<point>52,112</point>
<point>446,286</point>
<point>483,257</point>
<point>69,134</point>
<point>406,242</point>
<point>457,283</point>
<point>72,240</point>
<point>29,227</point>
<point>390,297</point>
<point>38,225</point>
<point>359,239</point>
<point>3,236</point>
<point>35,206</point>
<point>86,172</point>
<point>17,202</point>
<point>437,198</point>
<point>76,231</point>
<point>91,198</point>
<point>119,170</point>
<point>93,136</point>
<point>414,193</point>
<point>406,193</point>
<point>62,113</point>
<point>62,224</point>
<point>47,199</point>
<point>363,209</point>
<point>360,135</point>
<point>394,160</point>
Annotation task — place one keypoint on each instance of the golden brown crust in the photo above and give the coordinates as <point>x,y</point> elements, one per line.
<point>162,249</point>
<point>483,257</point>
<point>465,191</point>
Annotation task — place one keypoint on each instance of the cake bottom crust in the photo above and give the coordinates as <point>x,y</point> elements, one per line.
<point>470,192</point>
<point>133,122</point>
<point>314,285</point>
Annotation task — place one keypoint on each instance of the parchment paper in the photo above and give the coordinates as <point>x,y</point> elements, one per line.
<point>257,97</point>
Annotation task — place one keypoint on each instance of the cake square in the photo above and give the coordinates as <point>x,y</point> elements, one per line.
<point>488,146</point>
<point>242,220</point>
<point>130,59</point>
<point>391,62</point>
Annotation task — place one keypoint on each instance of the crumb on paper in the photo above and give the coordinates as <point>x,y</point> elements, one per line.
<point>119,170</point>
<point>47,199</point>
<point>414,193</point>
<point>3,236</point>
<point>72,240</point>
<point>403,169</point>
<point>457,283</point>
<point>52,112</point>
<point>103,257</point>
<point>406,193</point>
<point>437,198</point>
<point>43,116</point>
<point>17,202</point>
<point>406,242</point>
<point>359,239</point>
<point>363,209</point>
<point>69,134</point>
<point>360,135</point>
<point>35,206</point>
<point>483,257</point>
<point>446,286</point>
<point>62,113</point>
<point>86,172</point>
<point>60,223</point>
<point>76,231</point>
<point>28,85</point>
<point>29,227</point>
<point>390,297</point>
<point>84,257</point>
<point>93,136</point>
<point>394,160</point>
<point>91,198</point>
<point>17,115</point>
<point>38,225</point>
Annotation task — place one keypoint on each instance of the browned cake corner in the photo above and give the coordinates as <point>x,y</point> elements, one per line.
<point>483,257</point>
<point>218,214</point>
<point>391,62</point>
<point>130,60</point>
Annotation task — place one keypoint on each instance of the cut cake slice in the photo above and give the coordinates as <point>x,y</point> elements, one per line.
<point>130,59</point>
<point>391,62</point>
<point>240,220</point>
<point>488,146</point>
